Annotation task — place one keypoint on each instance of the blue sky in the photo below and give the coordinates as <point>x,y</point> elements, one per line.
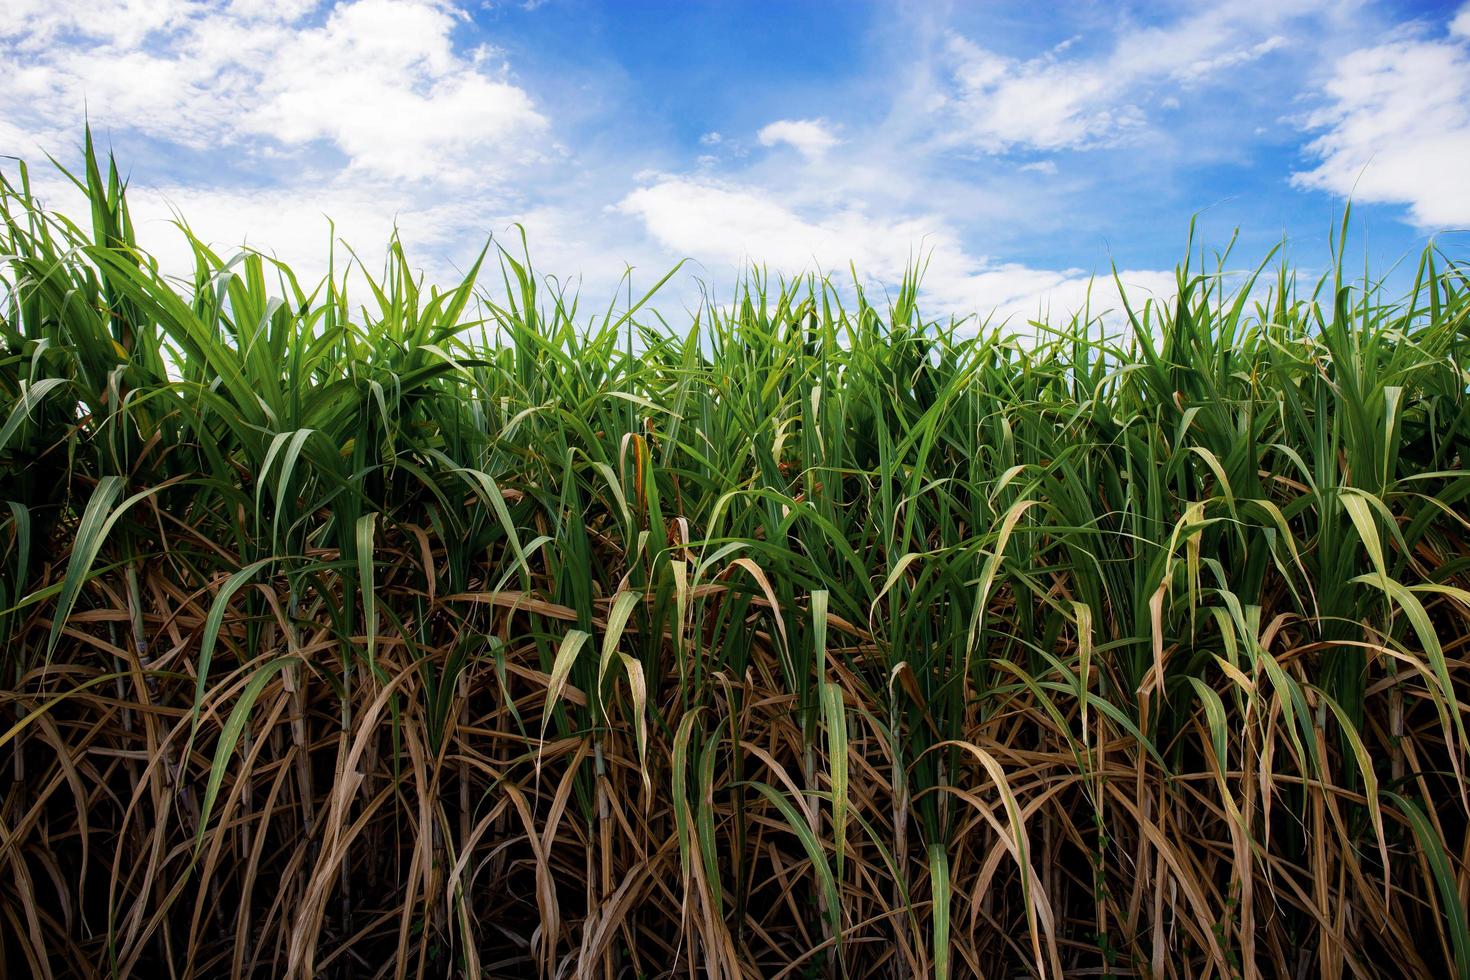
<point>1023,146</point>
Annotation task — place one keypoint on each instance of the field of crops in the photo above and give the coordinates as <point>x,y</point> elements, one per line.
<point>473,632</point>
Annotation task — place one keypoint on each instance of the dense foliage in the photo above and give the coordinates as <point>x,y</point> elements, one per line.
<point>466,633</point>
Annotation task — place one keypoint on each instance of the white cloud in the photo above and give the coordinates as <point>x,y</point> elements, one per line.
<point>1065,99</point>
<point>809,137</point>
<point>382,82</point>
<point>366,109</point>
<point>1003,103</point>
<point>37,25</point>
<point>1047,167</point>
<point>1396,128</point>
<point>1203,68</point>
<point>733,224</point>
<point>378,80</point>
<point>1460,26</point>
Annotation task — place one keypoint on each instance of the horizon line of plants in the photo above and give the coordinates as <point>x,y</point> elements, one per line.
<point>462,633</point>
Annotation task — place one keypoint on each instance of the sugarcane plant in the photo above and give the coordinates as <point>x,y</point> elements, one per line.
<point>373,626</point>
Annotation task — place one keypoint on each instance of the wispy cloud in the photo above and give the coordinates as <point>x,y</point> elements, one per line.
<point>1203,68</point>
<point>1069,99</point>
<point>1396,127</point>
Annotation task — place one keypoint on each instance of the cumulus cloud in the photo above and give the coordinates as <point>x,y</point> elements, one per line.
<point>1396,127</point>
<point>734,224</point>
<point>364,112</point>
<point>809,137</point>
<point>379,81</point>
